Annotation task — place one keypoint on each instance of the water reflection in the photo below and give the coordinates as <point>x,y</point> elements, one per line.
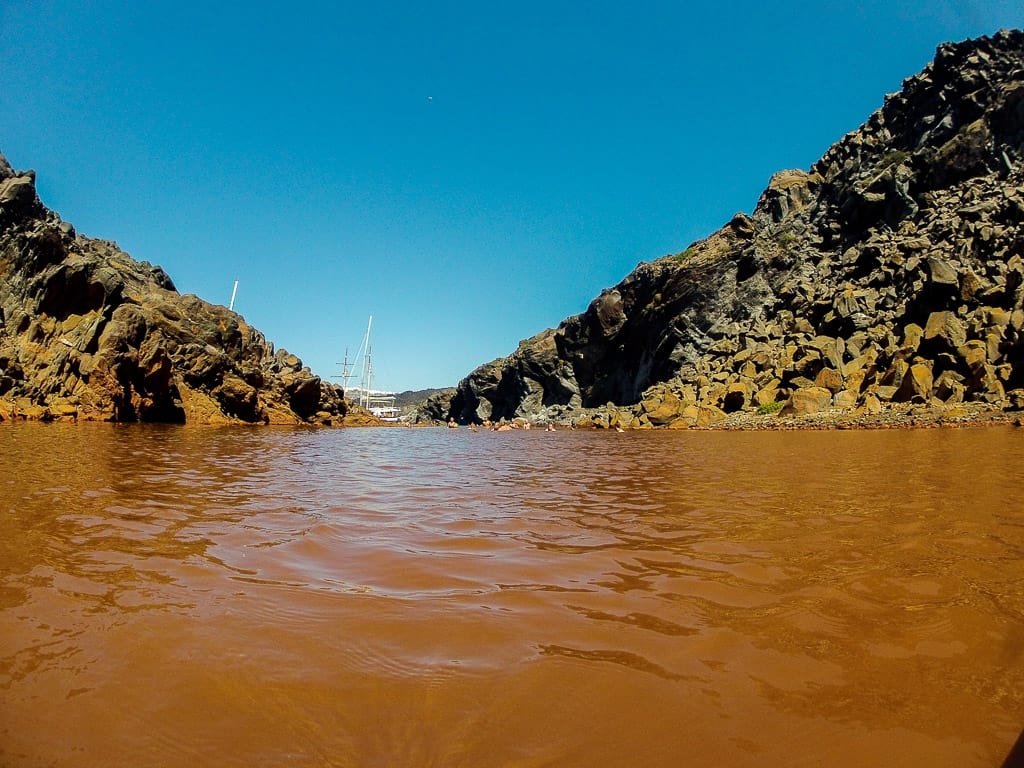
<point>445,597</point>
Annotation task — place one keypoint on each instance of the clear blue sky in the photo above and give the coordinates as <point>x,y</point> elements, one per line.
<point>468,172</point>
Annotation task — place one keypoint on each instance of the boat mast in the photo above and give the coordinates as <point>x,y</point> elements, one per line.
<point>366,383</point>
<point>346,371</point>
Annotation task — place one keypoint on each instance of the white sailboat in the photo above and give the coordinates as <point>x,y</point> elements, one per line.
<point>380,403</point>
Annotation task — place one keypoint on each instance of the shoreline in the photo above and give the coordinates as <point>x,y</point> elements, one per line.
<point>615,420</point>
<point>909,417</point>
<point>919,419</point>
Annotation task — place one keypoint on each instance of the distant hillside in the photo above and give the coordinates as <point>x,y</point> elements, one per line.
<point>415,398</point>
<point>888,275</point>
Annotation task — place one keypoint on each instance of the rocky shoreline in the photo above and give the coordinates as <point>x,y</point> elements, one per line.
<point>88,333</point>
<point>896,416</point>
<point>882,286</point>
<point>907,417</point>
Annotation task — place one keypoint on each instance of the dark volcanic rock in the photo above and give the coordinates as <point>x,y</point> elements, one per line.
<point>88,332</point>
<point>891,272</point>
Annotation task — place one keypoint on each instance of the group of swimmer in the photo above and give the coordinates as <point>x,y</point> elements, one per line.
<point>502,426</point>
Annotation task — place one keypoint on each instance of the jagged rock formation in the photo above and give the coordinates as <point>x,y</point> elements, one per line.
<point>87,332</point>
<point>891,272</point>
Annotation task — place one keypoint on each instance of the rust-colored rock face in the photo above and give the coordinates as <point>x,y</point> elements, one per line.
<point>87,332</point>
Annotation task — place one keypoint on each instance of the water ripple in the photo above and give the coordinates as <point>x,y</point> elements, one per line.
<point>838,584</point>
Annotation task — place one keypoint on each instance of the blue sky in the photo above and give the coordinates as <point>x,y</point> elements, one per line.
<point>468,173</point>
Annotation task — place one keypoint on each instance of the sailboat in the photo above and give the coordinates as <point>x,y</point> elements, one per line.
<point>380,404</point>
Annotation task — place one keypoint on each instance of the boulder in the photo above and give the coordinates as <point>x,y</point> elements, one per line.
<point>974,354</point>
<point>942,272</point>
<point>664,409</point>
<point>944,331</point>
<point>737,396</point>
<point>237,397</point>
<point>916,385</point>
<point>912,334</point>
<point>708,415</point>
<point>18,191</point>
<point>830,379</point>
<point>807,401</point>
<point>304,395</point>
<point>789,192</point>
<point>948,387</point>
<point>845,399</point>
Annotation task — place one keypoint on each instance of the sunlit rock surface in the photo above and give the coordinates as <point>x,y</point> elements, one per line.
<point>88,332</point>
<point>890,273</point>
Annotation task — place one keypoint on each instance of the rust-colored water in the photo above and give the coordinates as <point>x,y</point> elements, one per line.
<point>183,596</point>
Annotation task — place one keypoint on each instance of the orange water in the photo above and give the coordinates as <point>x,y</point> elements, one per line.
<point>189,596</point>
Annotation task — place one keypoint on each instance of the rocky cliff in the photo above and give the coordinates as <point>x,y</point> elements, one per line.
<point>87,332</point>
<point>889,274</point>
